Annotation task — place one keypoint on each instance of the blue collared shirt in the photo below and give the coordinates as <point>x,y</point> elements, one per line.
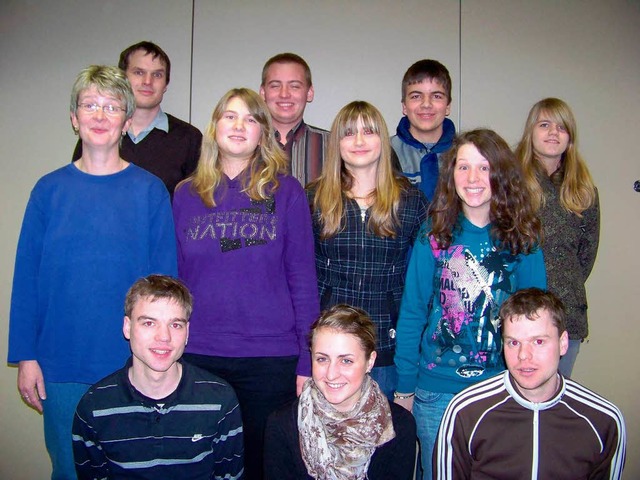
<point>161,122</point>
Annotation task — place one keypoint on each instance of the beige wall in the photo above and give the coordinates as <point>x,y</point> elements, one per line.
<point>503,56</point>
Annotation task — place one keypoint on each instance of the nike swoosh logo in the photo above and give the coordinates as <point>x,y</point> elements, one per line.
<point>196,437</point>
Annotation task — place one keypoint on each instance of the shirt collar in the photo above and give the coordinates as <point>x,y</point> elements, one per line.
<point>293,134</point>
<point>161,122</point>
<point>136,396</point>
<point>519,398</point>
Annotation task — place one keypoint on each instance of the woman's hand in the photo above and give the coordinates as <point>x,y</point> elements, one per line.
<point>31,384</point>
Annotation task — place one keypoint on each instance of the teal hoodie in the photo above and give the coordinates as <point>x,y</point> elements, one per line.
<point>453,296</point>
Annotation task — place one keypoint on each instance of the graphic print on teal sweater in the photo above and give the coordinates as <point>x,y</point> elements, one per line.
<point>471,289</point>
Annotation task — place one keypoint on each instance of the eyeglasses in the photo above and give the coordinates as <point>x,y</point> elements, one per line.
<point>94,107</point>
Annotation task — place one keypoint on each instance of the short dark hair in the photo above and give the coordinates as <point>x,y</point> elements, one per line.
<point>154,287</point>
<point>530,302</point>
<point>287,57</point>
<point>354,321</point>
<point>149,48</point>
<point>427,70</point>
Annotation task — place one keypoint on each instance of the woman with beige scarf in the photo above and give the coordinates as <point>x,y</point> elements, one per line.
<point>342,426</point>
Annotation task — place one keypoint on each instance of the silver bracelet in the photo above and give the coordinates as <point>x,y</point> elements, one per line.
<point>402,397</point>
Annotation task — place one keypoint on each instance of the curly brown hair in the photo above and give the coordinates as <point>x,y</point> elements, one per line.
<point>514,225</point>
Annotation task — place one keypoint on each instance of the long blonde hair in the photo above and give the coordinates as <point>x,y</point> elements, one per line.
<point>577,190</point>
<point>266,163</point>
<point>336,179</point>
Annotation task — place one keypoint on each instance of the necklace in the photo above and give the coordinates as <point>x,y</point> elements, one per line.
<point>361,197</point>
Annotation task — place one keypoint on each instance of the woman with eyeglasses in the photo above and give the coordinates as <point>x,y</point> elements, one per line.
<point>91,228</point>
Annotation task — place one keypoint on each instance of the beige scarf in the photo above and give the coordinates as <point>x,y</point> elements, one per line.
<point>339,445</point>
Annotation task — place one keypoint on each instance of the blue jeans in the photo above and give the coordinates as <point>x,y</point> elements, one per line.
<point>57,413</point>
<point>386,378</point>
<point>568,360</point>
<point>428,409</point>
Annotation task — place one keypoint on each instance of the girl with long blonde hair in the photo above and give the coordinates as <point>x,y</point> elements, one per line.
<point>245,250</point>
<point>366,217</point>
<point>567,203</point>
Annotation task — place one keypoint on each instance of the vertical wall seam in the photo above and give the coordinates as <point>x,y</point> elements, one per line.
<point>460,64</point>
<point>193,24</point>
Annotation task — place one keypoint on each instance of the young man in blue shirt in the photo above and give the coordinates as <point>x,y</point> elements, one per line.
<point>424,132</point>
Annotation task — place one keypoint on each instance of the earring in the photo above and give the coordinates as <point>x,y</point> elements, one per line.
<point>124,132</point>
<point>76,130</point>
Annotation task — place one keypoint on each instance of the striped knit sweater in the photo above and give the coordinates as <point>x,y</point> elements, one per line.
<point>194,433</point>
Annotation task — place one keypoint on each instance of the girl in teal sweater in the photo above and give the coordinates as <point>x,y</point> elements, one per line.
<point>478,247</point>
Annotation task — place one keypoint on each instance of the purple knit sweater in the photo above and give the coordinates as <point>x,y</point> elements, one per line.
<point>251,269</point>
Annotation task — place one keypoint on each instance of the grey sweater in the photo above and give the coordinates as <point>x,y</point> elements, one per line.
<point>570,245</point>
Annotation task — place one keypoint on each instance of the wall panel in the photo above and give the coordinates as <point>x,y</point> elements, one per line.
<point>585,52</point>
<point>503,55</point>
<point>356,50</point>
<point>44,46</point>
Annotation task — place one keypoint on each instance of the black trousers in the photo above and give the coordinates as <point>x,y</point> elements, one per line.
<point>262,384</point>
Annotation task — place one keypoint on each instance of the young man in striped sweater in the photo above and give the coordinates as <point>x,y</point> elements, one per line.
<point>530,421</point>
<point>158,417</point>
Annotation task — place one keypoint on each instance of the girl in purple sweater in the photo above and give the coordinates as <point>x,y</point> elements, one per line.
<point>245,249</point>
